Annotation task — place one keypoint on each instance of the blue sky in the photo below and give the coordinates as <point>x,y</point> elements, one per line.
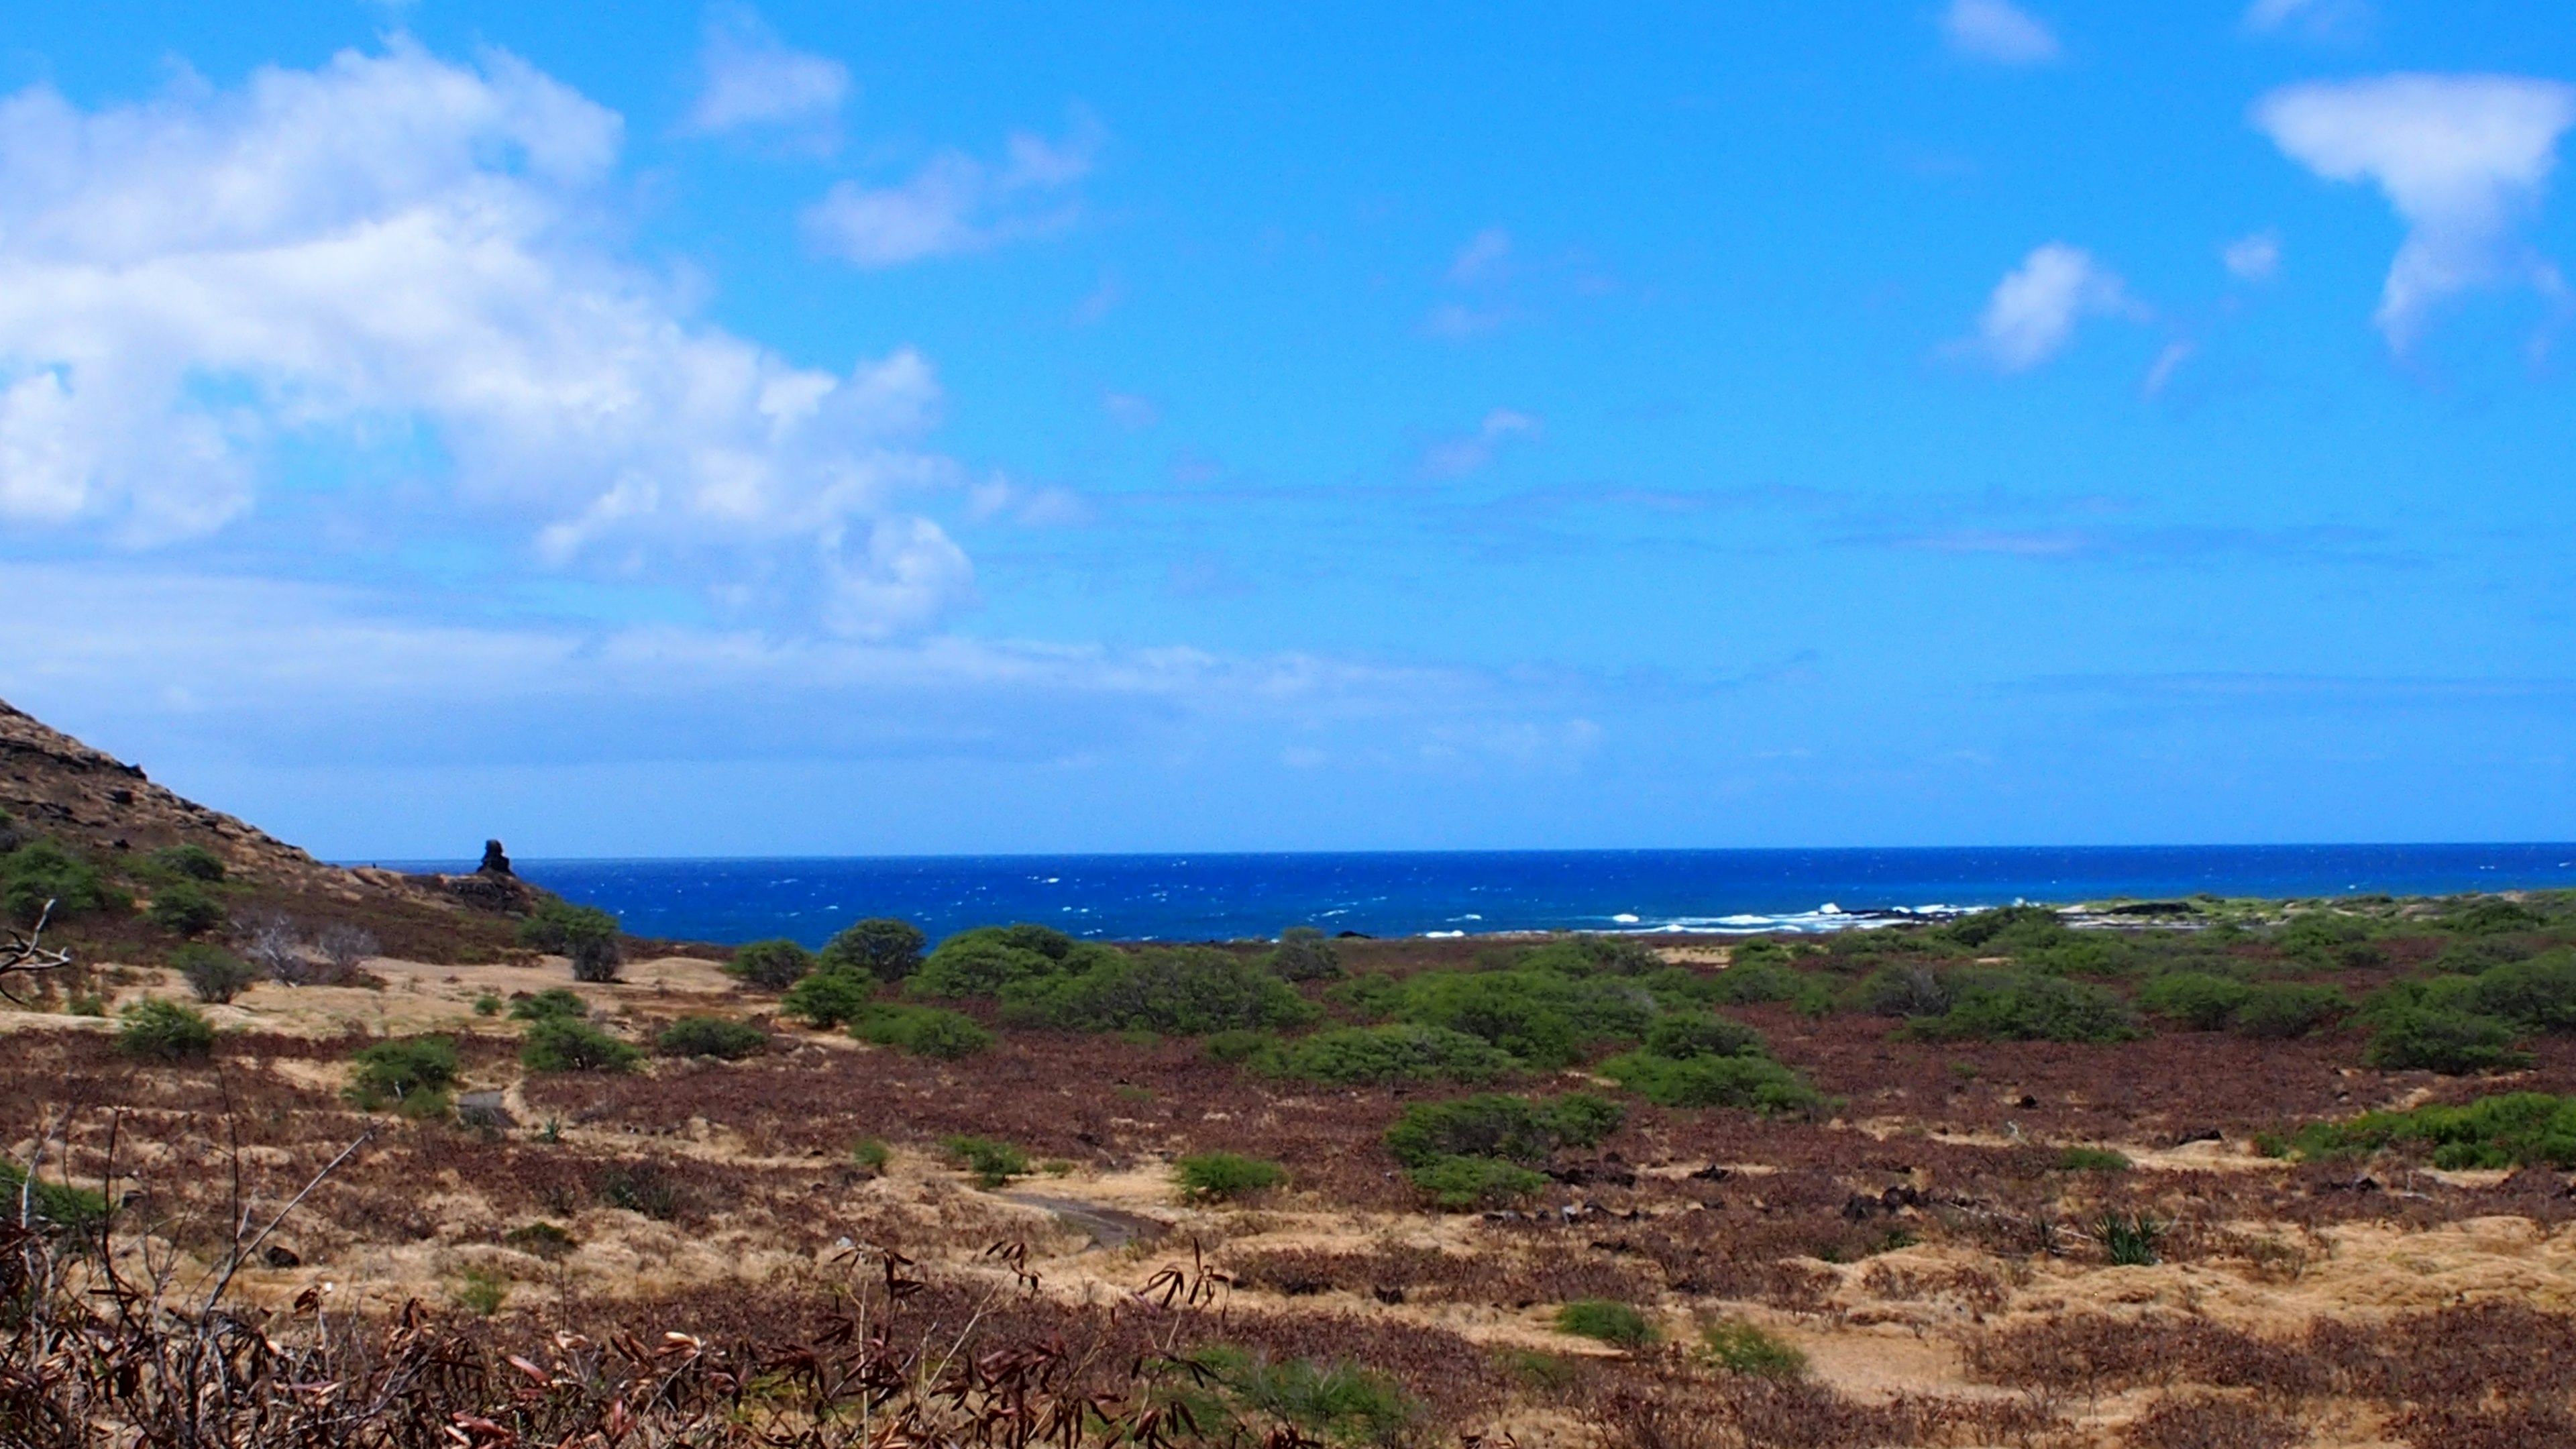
<point>870,428</point>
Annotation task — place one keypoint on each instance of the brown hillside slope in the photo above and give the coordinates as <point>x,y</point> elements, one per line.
<point>99,806</point>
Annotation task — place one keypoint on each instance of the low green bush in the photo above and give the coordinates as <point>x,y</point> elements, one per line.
<point>2196,999</point>
<point>827,999</point>
<point>1742,1348</point>
<point>871,1155</point>
<point>411,1073</point>
<point>1175,991</point>
<point>214,974</point>
<point>924,1031</point>
<point>551,1004</point>
<point>49,1204</point>
<point>164,1031</point>
<point>771,965</point>
<point>1401,1052</point>
<point>1685,1034</point>
<point>2026,1006</point>
<point>1461,1183</point>
<point>1763,979</point>
<point>987,959</point>
<point>2280,1010</point>
<point>721,1037</point>
<point>993,1163</point>
<point>2092,1159</point>
<point>1619,1324</point>
<point>189,862</point>
<point>1304,954</point>
<point>183,908</point>
<point>585,935</point>
<point>1753,1083</point>
<point>882,947</point>
<point>1339,1403</point>
<point>41,871</point>
<point>2516,1129</point>
<point>1496,1125</point>
<point>1241,1045</point>
<point>1547,1018</point>
<point>2441,1039</point>
<point>1215,1176</point>
<point>559,1044</point>
<point>2535,995</point>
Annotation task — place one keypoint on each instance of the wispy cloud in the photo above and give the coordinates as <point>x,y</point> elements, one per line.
<point>2316,19</point>
<point>957,204</point>
<point>1998,31</point>
<point>2461,158</point>
<point>751,78</point>
<point>1458,456</point>
<point>2255,258</point>
<point>1485,258</point>
<point>393,242</point>
<point>2032,314</point>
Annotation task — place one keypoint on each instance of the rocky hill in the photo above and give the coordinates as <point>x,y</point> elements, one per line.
<point>109,812</point>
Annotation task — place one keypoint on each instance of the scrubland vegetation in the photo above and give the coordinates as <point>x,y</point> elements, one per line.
<point>2233,1174</point>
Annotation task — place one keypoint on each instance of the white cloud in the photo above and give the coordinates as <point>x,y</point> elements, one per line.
<point>395,242</point>
<point>2319,19</point>
<point>2462,159</point>
<point>955,203</point>
<point>1130,411</point>
<point>1454,457</point>
<point>753,79</point>
<point>1998,31</point>
<point>1457,322</point>
<point>2034,310</point>
<point>1483,259</point>
<point>2255,258</point>
<point>2167,363</point>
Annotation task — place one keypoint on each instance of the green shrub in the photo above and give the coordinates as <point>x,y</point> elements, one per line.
<point>1545,1018</point>
<point>487,1004</point>
<point>882,947</point>
<point>214,974</point>
<point>2130,1240</point>
<point>2536,995</point>
<point>184,909</point>
<point>1220,1175</point>
<point>586,935</point>
<point>983,961</point>
<point>51,1204</point>
<point>1905,988</point>
<point>2092,1159</point>
<point>1342,1403</point>
<point>1305,954</point>
<point>1462,1183</point>
<point>871,1155</point>
<point>643,1187</point>
<point>412,1073</point>
<point>1402,1052</point>
<point>2517,1129</point>
<point>1495,1125</point>
<point>924,1031</point>
<point>1686,1034</point>
<point>164,1031</point>
<point>2490,915</point>
<point>1612,1323</point>
<point>1753,1083</point>
<point>1183,991</point>
<point>2474,955</point>
<point>711,1036</point>
<point>558,1044</point>
<point>2441,1039</point>
<point>771,965</point>
<point>828,999</point>
<point>41,871</point>
<point>2197,999</point>
<point>993,1163</point>
<point>1369,995</point>
<point>553,1003</point>
<point>1741,1348</point>
<point>190,862</point>
<point>2026,1006</point>
<point>1588,955</point>
<point>2280,1010</point>
<point>1762,979</point>
<point>1241,1045</point>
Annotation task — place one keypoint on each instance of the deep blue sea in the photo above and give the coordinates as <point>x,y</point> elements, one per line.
<point>1219,897</point>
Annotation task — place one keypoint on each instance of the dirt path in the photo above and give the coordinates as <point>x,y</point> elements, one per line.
<point>1109,1228</point>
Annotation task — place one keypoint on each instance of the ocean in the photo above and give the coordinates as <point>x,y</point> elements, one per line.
<point>1233,896</point>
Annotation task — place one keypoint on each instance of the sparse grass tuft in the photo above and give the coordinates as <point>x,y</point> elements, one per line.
<point>1215,1176</point>
<point>993,1163</point>
<point>1617,1324</point>
<point>1742,1348</point>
